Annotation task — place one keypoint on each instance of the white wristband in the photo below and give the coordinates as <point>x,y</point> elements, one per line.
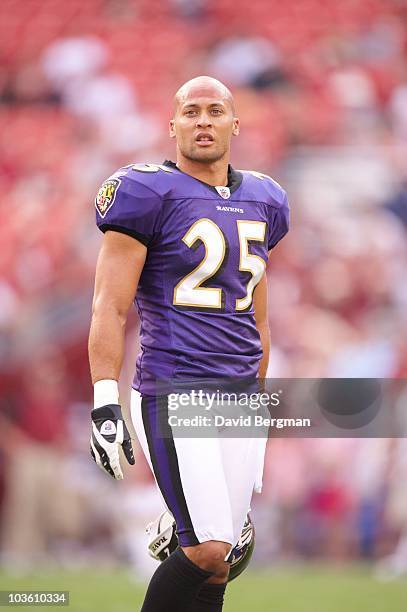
<point>105,392</point>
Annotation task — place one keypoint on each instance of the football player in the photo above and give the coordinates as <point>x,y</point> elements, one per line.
<point>188,242</point>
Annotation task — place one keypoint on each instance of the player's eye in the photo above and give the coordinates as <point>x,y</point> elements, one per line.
<point>217,111</point>
<point>190,113</point>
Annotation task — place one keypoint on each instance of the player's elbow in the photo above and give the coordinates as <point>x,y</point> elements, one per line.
<point>262,326</point>
<point>108,309</point>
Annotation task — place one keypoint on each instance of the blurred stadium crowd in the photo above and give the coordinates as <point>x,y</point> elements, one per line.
<point>321,90</point>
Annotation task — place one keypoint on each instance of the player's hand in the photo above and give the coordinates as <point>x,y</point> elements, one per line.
<point>109,432</point>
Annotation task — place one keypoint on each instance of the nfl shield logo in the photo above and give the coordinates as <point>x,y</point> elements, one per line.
<point>224,192</point>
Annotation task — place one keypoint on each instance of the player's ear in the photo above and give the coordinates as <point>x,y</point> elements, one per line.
<point>236,126</point>
<point>172,128</point>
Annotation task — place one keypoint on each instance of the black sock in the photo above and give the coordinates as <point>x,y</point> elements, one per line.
<point>209,598</point>
<point>174,584</point>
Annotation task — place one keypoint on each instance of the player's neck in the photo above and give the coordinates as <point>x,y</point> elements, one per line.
<point>215,174</point>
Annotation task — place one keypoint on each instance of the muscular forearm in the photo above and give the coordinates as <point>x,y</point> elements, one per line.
<point>264,332</point>
<point>106,344</point>
<point>109,430</point>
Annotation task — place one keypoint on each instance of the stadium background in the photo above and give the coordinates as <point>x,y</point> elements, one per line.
<point>321,90</point>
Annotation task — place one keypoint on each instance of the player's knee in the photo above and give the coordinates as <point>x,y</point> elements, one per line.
<point>210,556</point>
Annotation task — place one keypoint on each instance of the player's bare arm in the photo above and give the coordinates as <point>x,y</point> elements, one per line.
<point>120,263</point>
<point>260,306</point>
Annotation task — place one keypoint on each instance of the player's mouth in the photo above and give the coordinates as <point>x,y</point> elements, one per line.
<point>204,139</point>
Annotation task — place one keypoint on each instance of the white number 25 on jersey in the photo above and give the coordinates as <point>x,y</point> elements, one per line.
<point>189,291</point>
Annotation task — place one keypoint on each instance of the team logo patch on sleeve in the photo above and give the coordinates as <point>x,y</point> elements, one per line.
<point>106,196</point>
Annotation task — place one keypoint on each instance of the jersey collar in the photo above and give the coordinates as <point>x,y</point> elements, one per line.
<point>234,177</point>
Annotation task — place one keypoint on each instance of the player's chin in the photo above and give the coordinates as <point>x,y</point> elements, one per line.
<point>211,154</point>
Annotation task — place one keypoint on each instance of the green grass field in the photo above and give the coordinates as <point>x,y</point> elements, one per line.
<point>305,589</point>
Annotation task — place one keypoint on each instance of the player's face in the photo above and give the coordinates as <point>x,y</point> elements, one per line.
<point>203,126</point>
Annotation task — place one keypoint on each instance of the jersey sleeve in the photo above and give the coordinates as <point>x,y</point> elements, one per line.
<point>129,207</point>
<point>279,219</point>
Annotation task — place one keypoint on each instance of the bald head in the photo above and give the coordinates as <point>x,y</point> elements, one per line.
<point>204,121</point>
<point>202,87</point>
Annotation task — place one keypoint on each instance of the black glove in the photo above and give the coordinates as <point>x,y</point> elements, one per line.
<point>109,431</point>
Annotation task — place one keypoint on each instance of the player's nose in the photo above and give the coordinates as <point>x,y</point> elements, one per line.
<point>203,120</point>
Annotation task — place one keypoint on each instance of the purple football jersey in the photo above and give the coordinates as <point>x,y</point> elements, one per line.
<point>207,250</point>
